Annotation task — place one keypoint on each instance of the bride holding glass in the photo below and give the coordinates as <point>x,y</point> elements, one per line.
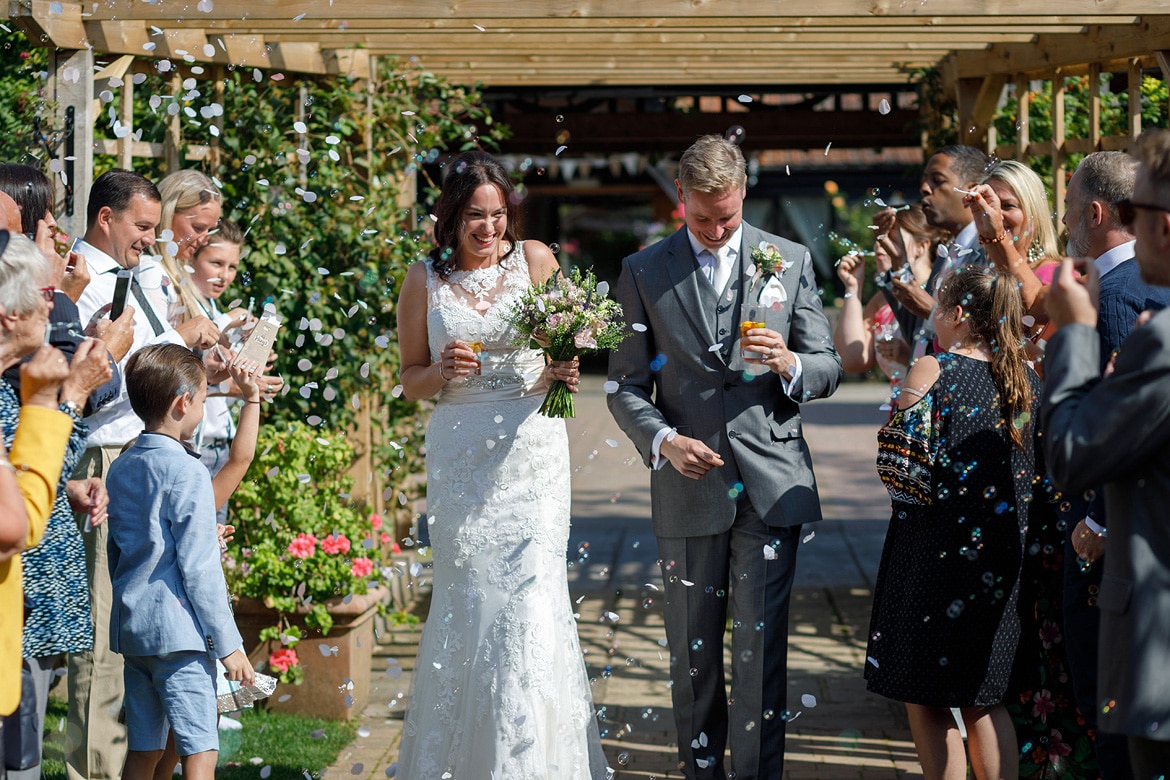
<point>500,688</point>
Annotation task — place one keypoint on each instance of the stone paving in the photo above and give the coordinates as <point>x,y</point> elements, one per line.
<point>837,730</point>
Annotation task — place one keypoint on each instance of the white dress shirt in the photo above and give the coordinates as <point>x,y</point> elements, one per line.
<point>115,424</point>
<point>1114,257</point>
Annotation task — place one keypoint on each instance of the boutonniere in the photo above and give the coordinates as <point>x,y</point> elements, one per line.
<point>767,261</point>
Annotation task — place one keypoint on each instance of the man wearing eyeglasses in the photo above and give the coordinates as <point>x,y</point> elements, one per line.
<point>1115,431</point>
<point>1096,229</point>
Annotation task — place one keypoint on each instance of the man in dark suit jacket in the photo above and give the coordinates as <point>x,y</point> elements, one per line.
<point>1095,230</point>
<point>716,417</point>
<point>949,170</point>
<point>1116,431</point>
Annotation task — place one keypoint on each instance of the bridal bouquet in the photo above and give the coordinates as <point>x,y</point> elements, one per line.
<point>565,317</point>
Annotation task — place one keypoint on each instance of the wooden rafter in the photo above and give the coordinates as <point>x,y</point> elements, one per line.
<point>606,42</point>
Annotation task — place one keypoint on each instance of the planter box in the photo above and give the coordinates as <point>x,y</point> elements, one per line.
<point>337,665</point>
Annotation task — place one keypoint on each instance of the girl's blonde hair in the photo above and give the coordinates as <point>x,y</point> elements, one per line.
<point>182,191</point>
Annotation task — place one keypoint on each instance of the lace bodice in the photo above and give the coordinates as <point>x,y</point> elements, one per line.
<point>474,306</point>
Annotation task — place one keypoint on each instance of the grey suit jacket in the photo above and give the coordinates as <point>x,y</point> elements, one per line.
<point>1116,431</point>
<point>668,376</point>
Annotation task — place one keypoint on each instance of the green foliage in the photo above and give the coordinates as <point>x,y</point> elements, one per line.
<point>292,745</point>
<point>1114,114</point>
<point>938,110</point>
<point>299,540</point>
<point>23,108</point>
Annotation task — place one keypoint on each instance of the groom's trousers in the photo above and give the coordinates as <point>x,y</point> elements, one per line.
<point>703,577</point>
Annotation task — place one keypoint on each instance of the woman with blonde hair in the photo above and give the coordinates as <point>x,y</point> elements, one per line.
<point>1016,229</point>
<point>191,208</point>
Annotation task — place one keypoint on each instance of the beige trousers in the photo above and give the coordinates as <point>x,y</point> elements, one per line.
<point>95,740</point>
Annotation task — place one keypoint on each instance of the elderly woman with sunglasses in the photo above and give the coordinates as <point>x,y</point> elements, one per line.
<point>58,568</point>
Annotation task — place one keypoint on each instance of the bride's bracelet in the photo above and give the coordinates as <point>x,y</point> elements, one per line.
<point>441,374</point>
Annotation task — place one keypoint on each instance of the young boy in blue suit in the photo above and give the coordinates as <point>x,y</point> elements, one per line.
<point>171,617</point>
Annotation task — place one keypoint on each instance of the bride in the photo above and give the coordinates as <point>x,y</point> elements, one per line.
<point>500,689</point>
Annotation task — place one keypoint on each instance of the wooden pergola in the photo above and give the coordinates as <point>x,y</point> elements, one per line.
<point>981,46</point>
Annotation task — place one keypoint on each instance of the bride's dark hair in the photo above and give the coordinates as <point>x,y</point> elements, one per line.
<point>465,175</point>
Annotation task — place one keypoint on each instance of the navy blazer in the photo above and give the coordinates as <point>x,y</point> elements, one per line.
<point>169,590</point>
<point>67,332</point>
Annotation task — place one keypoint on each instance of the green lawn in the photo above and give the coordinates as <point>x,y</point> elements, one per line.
<point>290,746</point>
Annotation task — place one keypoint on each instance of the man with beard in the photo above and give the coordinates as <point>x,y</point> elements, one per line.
<point>1095,230</point>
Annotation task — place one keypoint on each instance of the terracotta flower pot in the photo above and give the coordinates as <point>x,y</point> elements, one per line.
<point>337,666</point>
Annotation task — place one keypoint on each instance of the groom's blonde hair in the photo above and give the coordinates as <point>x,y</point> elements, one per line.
<point>712,165</point>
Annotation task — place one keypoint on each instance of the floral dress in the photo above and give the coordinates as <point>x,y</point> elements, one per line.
<point>56,593</point>
<point>945,626</point>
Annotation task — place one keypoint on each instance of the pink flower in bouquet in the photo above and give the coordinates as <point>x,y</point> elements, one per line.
<point>283,659</point>
<point>303,546</point>
<point>335,543</point>
<point>376,521</point>
<point>394,548</point>
<point>361,567</point>
<point>585,340</point>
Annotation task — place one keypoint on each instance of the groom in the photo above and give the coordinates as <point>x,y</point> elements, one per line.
<point>717,419</point>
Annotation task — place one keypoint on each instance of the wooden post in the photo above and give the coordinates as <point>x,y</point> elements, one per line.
<point>302,138</point>
<point>126,116</point>
<point>1059,173</point>
<point>173,140</point>
<point>72,169</point>
<point>214,149</point>
<point>1023,106</point>
<point>1135,100</point>
<point>1095,106</point>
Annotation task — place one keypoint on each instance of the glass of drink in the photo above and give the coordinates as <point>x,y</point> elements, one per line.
<point>744,327</point>
<point>477,348</point>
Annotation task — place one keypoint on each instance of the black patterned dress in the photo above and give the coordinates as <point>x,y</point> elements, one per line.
<point>944,627</point>
<point>56,590</point>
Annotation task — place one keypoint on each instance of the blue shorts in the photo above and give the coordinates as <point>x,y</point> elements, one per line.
<point>175,692</point>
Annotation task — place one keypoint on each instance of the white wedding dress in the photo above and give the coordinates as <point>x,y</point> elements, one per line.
<point>500,690</point>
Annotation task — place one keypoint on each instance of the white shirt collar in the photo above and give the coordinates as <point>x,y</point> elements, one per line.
<point>99,261</point>
<point>966,237</point>
<point>1114,257</point>
<point>727,252</point>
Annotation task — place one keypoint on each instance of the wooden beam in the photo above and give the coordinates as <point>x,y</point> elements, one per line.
<point>978,99</point>
<point>645,132</point>
<point>1134,124</point>
<point>1150,34</point>
<point>1059,167</point>
<point>59,23</point>
<point>309,11</point>
<point>1094,105</point>
<point>696,25</point>
<point>1023,118</point>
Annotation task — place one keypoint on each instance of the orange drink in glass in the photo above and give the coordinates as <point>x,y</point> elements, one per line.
<point>744,327</point>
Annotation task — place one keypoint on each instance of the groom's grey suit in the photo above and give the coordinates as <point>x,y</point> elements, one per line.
<point>684,371</point>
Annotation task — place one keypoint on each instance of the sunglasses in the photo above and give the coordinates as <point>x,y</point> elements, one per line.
<point>47,293</point>
<point>1127,210</point>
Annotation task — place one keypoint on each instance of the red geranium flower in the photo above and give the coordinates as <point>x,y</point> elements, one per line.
<point>283,659</point>
<point>303,546</point>
<point>335,544</point>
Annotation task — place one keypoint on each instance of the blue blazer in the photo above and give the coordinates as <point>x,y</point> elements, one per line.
<point>169,590</point>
